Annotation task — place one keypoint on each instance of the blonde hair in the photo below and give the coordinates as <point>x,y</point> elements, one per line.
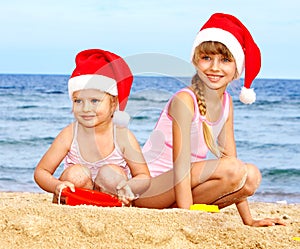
<point>207,48</point>
<point>207,133</point>
<point>212,47</point>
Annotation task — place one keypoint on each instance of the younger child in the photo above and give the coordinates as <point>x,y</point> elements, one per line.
<point>198,119</point>
<point>98,150</point>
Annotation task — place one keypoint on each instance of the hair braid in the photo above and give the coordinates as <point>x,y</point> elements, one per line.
<point>207,133</point>
<point>199,94</point>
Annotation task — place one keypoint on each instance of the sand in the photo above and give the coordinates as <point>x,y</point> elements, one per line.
<point>30,220</point>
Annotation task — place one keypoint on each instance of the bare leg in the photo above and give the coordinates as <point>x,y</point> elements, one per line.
<point>218,178</point>
<point>160,194</point>
<point>108,178</point>
<point>252,183</point>
<point>79,175</point>
<point>211,180</point>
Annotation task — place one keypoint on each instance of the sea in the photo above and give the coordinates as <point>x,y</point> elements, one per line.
<point>35,108</point>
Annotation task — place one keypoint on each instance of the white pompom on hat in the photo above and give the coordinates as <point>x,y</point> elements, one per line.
<point>105,71</point>
<point>228,30</point>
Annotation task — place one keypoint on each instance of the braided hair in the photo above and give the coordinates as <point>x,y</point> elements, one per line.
<point>207,133</point>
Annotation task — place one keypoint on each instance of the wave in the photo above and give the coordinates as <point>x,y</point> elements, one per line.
<point>22,169</point>
<point>28,106</point>
<point>29,141</point>
<point>22,119</point>
<point>268,102</point>
<point>31,120</point>
<point>279,184</point>
<point>8,87</point>
<point>150,99</point>
<point>53,92</point>
<point>140,118</point>
<point>281,173</point>
<point>260,146</point>
<point>271,146</point>
<point>270,196</point>
<point>139,98</point>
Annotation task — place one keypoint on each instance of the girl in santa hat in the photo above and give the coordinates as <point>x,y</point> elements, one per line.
<point>199,119</point>
<point>98,150</point>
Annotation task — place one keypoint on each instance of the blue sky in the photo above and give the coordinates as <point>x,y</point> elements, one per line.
<point>44,36</point>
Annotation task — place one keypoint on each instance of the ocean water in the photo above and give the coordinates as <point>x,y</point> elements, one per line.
<point>34,108</point>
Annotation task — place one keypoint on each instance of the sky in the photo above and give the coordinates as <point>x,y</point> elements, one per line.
<point>43,37</point>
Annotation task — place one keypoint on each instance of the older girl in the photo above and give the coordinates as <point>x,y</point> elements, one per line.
<point>199,119</point>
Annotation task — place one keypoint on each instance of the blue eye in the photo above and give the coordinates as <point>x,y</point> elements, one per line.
<point>226,59</point>
<point>95,101</point>
<point>205,57</point>
<point>77,101</point>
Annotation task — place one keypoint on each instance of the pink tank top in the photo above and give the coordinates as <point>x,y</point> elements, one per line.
<point>158,148</point>
<point>74,157</point>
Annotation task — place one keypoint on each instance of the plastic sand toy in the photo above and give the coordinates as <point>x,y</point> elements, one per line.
<point>205,208</point>
<point>83,196</point>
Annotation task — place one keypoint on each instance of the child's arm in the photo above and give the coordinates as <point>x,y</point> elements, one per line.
<point>226,138</point>
<point>46,167</point>
<point>244,211</point>
<point>182,111</point>
<point>132,152</point>
<point>227,142</point>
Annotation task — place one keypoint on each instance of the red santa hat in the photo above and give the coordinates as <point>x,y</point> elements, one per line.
<point>228,30</point>
<point>105,71</point>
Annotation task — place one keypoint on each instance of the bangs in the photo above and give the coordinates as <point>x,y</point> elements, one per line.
<point>212,47</point>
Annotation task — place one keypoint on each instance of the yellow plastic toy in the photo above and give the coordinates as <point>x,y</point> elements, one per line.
<point>205,208</point>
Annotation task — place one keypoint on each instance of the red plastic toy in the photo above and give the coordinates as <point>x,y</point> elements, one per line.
<point>83,196</point>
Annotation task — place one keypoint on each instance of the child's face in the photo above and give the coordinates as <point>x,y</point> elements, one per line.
<point>219,70</point>
<point>92,107</point>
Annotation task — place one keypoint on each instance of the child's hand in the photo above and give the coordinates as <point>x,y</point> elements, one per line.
<point>62,185</point>
<point>125,193</point>
<point>267,222</point>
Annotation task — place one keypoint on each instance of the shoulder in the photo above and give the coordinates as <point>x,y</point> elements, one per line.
<point>68,130</point>
<point>185,94</point>
<point>66,135</point>
<point>182,101</point>
<point>125,137</point>
<point>123,133</point>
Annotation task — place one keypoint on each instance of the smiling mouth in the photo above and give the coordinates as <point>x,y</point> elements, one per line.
<point>87,117</point>
<point>214,77</point>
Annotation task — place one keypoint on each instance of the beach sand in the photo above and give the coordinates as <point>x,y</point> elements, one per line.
<point>30,220</point>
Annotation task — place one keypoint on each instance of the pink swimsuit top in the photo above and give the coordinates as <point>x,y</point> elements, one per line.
<point>158,148</point>
<point>74,157</point>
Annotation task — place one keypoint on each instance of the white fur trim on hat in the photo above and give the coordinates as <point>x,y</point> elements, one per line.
<point>247,95</point>
<point>121,118</point>
<point>92,81</point>
<point>225,37</point>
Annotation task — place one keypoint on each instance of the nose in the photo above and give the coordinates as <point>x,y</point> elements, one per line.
<point>86,106</point>
<point>215,64</point>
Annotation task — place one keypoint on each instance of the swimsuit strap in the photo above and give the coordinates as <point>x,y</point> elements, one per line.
<point>115,140</point>
<point>75,130</point>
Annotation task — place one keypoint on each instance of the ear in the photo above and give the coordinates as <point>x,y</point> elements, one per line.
<point>114,103</point>
<point>120,118</point>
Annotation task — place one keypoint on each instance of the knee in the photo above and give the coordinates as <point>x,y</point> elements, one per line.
<point>235,172</point>
<point>79,175</point>
<point>108,177</point>
<point>253,180</point>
